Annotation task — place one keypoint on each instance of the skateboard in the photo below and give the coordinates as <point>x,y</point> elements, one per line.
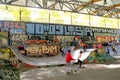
<point>71,72</point>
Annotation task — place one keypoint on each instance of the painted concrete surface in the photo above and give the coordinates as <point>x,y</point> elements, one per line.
<point>108,71</point>
<point>90,72</point>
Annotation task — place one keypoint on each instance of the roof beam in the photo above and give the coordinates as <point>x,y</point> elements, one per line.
<point>106,8</point>
<point>53,5</point>
<point>11,1</point>
<point>107,15</point>
<point>87,4</point>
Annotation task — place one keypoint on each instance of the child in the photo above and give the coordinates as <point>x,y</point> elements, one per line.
<point>68,59</point>
<point>79,61</point>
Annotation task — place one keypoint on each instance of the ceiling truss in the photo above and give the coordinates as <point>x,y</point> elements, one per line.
<point>71,5</point>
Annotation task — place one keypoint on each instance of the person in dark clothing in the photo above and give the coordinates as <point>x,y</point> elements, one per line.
<point>79,61</point>
<point>61,51</point>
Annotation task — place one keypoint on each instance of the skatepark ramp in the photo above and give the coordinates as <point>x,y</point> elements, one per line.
<point>46,60</point>
<point>76,53</point>
<point>85,54</point>
<point>37,61</point>
<point>22,57</point>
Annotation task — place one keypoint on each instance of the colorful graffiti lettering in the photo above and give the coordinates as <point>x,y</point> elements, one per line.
<point>19,37</point>
<point>100,39</point>
<point>42,50</point>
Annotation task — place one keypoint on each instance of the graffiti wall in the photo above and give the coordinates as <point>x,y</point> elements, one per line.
<point>8,65</point>
<point>42,50</point>
<point>98,57</point>
<point>49,35</point>
<point>101,39</point>
<point>51,31</point>
<point>19,37</point>
<point>3,38</point>
<point>5,53</point>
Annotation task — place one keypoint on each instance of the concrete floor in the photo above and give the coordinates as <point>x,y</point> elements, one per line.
<point>90,72</point>
<point>105,71</point>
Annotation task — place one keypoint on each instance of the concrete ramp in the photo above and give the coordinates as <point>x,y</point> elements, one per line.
<point>22,57</point>
<point>38,61</point>
<point>85,54</point>
<point>55,60</point>
<point>76,53</point>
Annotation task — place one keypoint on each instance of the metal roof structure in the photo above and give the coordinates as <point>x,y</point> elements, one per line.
<point>105,8</point>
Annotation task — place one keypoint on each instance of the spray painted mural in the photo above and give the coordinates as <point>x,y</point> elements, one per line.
<point>3,38</point>
<point>8,65</point>
<point>98,57</point>
<point>49,36</point>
